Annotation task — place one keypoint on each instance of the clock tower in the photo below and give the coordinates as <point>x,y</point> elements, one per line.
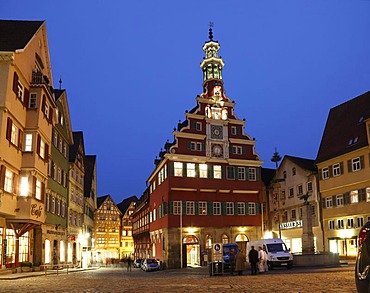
<point>206,185</point>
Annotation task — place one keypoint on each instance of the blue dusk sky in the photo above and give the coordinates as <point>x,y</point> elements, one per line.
<point>131,70</point>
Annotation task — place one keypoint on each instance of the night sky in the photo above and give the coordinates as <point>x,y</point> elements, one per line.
<point>131,70</point>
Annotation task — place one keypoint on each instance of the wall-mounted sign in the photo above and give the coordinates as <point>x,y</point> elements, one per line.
<point>36,210</point>
<point>291,225</point>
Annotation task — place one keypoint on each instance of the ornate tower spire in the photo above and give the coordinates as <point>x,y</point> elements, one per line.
<point>212,64</point>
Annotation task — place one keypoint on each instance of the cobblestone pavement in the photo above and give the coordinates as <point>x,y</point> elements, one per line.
<point>340,279</point>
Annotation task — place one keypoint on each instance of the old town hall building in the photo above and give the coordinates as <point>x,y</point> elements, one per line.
<point>206,185</point>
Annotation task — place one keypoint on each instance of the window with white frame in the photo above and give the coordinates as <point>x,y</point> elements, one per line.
<point>252,208</point>
<point>340,200</point>
<point>331,224</point>
<point>313,210</point>
<point>309,186</point>
<point>350,223</point>
<point>329,202</point>
<point>241,208</point>
<point>217,172</point>
<point>198,126</point>
<point>190,208</point>
<point>252,174</point>
<point>340,224</point>
<point>229,208</point>
<point>14,135</point>
<point>33,101</point>
<point>202,206</point>
<point>325,173</point>
<point>241,173</point>
<point>233,130</point>
<point>8,183</point>
<point>42,149</point>
<point>356,164</point>
<point>237,150</point>
<point>300,189</point>
<point>360,222</point>
<point>217,208</point>
<point>28,142</point>
<point>336,169</point>
<point>177,207</point>
<point>291,192</point>
<point>354,196</point>
<point>203,171</point>
<point>20,91</point>
<point>177,169</point>
<point>199,146</point>
<point>190,170</point>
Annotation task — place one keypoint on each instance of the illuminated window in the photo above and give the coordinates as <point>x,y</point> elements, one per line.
<point>14,135</point>
<point>24,186</point>
<point>47,251</point>
<point>368,194</point>
<point>350,223</point>
<point>62,251</point>
<point>354,196</point>
<point>190,170</point>
<point>208,241</point>
<point>8,184</point>
<point>38,190</point>
<point>178,169</point>
<point>360,222</point>
<point>340,224</point>
<point>202,205</point>
<point>203,170</point>
<point>28,143</point>
<point>217,172</point>
<point>42,149</point>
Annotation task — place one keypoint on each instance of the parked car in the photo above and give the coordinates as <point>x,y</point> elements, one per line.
<point>362,269</point>
<point>150,264</point>
<point>137,263</point>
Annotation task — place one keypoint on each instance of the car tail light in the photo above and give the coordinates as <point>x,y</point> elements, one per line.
<point>364,233</point>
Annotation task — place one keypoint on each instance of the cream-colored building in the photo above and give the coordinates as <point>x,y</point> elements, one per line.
<point>127,207</point>
<point>343,163</point>
<point>26,119</point>
<point>294,178</point>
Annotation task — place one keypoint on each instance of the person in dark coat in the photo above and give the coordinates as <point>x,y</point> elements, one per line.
<point>253,260</point>
<point>232,261</point>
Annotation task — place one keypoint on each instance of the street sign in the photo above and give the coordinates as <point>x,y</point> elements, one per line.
<point>217,252</point>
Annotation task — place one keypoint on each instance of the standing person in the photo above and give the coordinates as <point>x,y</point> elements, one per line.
<point>265,258</point>
<point>261,258</point>
<point>239,262</point>
<point>232,261</point>
<point>253,260</point>
<point>129,263</point>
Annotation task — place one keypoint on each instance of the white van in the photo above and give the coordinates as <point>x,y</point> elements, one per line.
<point>277,253</point>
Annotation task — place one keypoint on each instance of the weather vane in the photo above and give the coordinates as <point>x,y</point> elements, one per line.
<point>210,30</point>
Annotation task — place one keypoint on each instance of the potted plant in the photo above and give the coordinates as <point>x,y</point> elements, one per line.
<point>26,266</point>
<point>36,266</point>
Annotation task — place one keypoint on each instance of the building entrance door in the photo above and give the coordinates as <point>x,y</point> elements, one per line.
<point>192,251</point>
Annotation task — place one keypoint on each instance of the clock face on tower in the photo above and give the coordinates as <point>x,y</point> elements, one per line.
<point>216,132</point>
<point>217,151</point>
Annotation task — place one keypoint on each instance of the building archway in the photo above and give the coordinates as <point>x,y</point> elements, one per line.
<point>191,248</point>
<point>242,240</point>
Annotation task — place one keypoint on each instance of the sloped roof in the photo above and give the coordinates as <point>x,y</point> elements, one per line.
<point>124,205</point>
<point>15,34</point>
<point>58,93</point>
<point>306,164</point>
<point>345,129</point>
<point>267,175</point>
<point>101,199</point>
<point>89,174</point>
<point>77,139</point>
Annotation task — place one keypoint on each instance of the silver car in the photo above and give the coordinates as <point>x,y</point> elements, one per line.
<point>150,264</point>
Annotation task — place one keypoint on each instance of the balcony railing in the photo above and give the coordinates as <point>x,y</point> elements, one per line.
<point>39,79</point>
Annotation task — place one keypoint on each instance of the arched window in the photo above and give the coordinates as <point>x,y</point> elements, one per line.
<point>293,171</point>
<point>241,238</point>
<point>224,239</point>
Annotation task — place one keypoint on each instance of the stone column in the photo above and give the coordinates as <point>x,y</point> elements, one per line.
<point>307,235</point>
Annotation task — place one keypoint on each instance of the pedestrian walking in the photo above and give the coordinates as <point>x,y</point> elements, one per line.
<point>265,258</point>
<point>232,261</point>
<point>129,264</point>
<point>239,262</point>
<point>253,260</point>
<point>261,259</point>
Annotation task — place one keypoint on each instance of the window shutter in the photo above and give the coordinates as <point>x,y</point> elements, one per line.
<point>341,168</point>
<point>247,173</point>
<point>320,174</point>
<point>247,208</point>
<point>171,207</point>
<point>236,212</point>
<point>33,186</point>
<point>347,199</point>
<point>197,170</point>
<point>26,100</point>
<point>258,174</point>
<point>172,169</point>
<point>9,129</point>
<point>15,83</point>
<point>183,205</point>
<point>362,162</point>
<point>2,176</point>
<point>203,146</point>
<point>362,194</point>
<point>42,191</point>
<point>349,164</point>
<point>230,149</point>
<point>237,130</point>
<point>209,208</point>
<point>165,208</point>
<point>43,104</point>
<point>210,171</point>
<point>223,208</point>
<point>331,171</point>
<point>188,145</point>
<point>334,200</point>
<point>324,203</point>
<point>15,183</point>
<point>192,124</point>
<point>51,112</point>
<point>20,139</point>
<point>46,152</point>
<point>38,144</point>
<point>257,205</point>
<point>184,169</point>
<point>244,150</point>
